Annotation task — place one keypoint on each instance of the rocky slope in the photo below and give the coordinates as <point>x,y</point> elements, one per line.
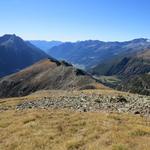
<point>84,101</point>
<point>46,74</point>
<point>131,103</point>
<point>16,54</point>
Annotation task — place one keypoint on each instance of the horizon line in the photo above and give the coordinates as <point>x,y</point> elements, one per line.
<point>74,41</point>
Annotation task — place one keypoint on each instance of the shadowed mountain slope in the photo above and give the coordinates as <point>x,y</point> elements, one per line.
<point>16,54</point>
<point>128,64</point>
<point>133,72</point>
<point>136,84</point>
<point>46,74</point>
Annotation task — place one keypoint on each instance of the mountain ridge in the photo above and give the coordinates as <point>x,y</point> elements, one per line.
<point>92,52</point>
<point>47,74</point>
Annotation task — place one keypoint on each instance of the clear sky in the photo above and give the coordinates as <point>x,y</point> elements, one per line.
<point>72,20</point>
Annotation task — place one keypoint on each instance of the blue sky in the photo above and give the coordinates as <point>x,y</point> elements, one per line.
<point>72,20</point>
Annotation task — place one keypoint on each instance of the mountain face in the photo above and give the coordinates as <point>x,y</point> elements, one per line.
<point>46,74</point>
<point>130,66</point>
<point>133,64</point>
<point>16,54</point>
<point>133,72</point>
<point>88,54</point>
<point>136,84</point>
<point>45,45</point>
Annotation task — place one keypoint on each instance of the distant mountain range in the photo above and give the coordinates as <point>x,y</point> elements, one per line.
<point>88,54</point>
<point>121,65</point>
<point>16,54</point>
<point>46,74</point>
<point>45,45</point>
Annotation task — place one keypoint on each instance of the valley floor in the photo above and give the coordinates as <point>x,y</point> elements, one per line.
<point>41,121</point>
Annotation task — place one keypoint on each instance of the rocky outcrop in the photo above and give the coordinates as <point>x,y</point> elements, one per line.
<point>135,104</point>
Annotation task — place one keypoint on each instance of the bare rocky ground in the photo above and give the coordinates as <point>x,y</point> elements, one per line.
<point>84,101</point>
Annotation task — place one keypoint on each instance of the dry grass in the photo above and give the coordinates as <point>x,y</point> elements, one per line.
<point>66,130</point>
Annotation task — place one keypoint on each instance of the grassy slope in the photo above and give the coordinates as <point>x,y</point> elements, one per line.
<point>110,81</point>
<point>68,130</point>
<point>46,74</point>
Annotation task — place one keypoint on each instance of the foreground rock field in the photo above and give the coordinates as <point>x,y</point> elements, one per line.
<point>93,101</point>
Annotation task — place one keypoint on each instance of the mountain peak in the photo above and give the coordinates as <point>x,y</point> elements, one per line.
<point>10,39</point>
<point>8,36</point>
<point>140,40</point>
<point>16,54</point>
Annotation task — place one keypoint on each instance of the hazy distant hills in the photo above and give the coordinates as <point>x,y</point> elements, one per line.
<point>45,45</point>
<point>16,54</point>
<point>46,74</point>
<point>88,54</point>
